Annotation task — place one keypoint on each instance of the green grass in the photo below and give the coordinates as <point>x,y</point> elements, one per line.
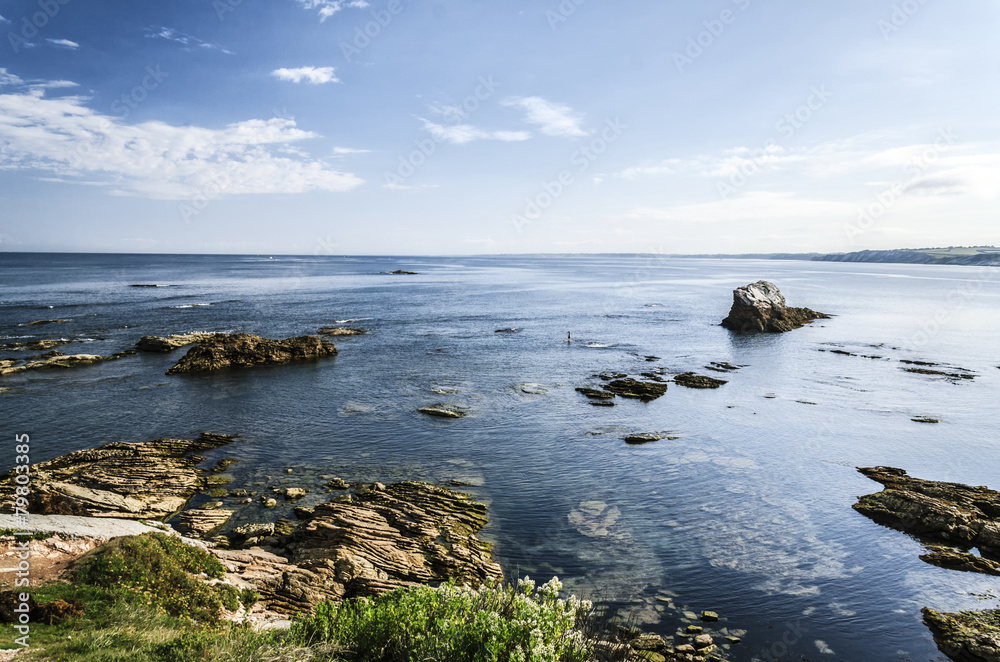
<point>146,600</point>
<point>161,571</point>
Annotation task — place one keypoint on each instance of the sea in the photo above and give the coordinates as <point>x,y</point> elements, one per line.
<point>743,508</point>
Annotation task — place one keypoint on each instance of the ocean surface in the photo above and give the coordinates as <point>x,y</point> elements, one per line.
<point>747,511</point>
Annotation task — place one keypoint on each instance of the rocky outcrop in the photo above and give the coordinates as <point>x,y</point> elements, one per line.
<point>378,539</point>
<point>968,636</point>
<point>149,480</point>
<point>34,345</point>
<point>241,350</point>
<point>41,322</point>
<point>949,512</point>
<point>633,388</point>
<point>443,411</point>
<point>56,360</point>
<point>950,559</point>
<point>691,380</point>
<point>169,343</point>
<point>342,331</point>
<point>760,308</point>
<point>594,393</point>
<point>201,522</point>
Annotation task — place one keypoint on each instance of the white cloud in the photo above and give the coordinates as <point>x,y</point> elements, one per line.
<point>171,34</point>
<point>460,134</point>
<point>63,138</point>
<point>4,20</point>
<point>554,119</point>
<point>65,43</point>
<point>328,8</point>
<point>314,75</point>
<point>9,78</point>
<point>753,206</point>
<point>344,151</point>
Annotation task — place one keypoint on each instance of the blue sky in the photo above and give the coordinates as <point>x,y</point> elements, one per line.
<point>447,127</point>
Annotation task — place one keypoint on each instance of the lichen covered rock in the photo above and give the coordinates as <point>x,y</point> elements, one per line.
<point>240,350</point>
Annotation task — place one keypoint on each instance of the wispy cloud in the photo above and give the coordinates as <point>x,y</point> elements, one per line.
<point>346,151</point>
<point>64,43</point>
<point>460,134</point>
<point>314,75</point>
<point>4,20</point>
<point>63,138</point>
<point>327,8</point>
<point>185,39</point>
<point>554,119</point>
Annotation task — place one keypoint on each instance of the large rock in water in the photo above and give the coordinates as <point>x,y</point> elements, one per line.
<point>148,480</point>
<point>760,308</point>
<point>950,512</point>
<point>169,343</point>
<point>240,350</point>
<point>380,539</point>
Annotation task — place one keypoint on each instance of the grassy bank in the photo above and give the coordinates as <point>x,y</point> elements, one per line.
<point>149,599</point>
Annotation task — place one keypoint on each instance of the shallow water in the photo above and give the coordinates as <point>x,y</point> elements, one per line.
<point>746,513</point>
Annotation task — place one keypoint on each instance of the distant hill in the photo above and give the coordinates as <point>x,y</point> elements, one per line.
<point>968,255</point>
<point>965,255</point>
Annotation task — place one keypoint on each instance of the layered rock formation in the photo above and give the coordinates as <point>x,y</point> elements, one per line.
<point>949,512</point>
<point>148,480</point>
<point>55,360</point>
<point>691,380</point>
<point>957,514</point>
<point>376,540</point>
<point>169,343</point>
<point>760,308</point>
<point>633,388</point>
<point>240,350</point>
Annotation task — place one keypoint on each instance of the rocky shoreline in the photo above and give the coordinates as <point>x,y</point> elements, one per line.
<point>961,516</point>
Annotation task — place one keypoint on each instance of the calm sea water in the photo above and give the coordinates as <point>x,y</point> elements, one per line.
<point>748,512</point>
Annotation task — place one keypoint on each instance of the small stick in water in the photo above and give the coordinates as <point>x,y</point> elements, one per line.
<point>569,337</point>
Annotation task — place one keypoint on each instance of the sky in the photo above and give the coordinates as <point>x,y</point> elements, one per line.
<point>440,127</point>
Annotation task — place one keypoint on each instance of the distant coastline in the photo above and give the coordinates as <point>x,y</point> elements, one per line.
<point>954,255</point>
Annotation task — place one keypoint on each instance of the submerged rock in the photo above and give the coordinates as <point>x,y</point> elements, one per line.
<point>169,343</point>
<point>40,322</point>
<point>240,350</point>
<point>402,272</point>
<point>632,388</point>
<point>636,439</point>
<point>950,512</point>
<point>597,394</point>
<point>56,360</point>
<point>443,411</point>
<point>760,308</point>
<point>34,345</point>
<point>691,380</point>
<point>342,331</point>
<point>968,636</point>
<point>147,480</point>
